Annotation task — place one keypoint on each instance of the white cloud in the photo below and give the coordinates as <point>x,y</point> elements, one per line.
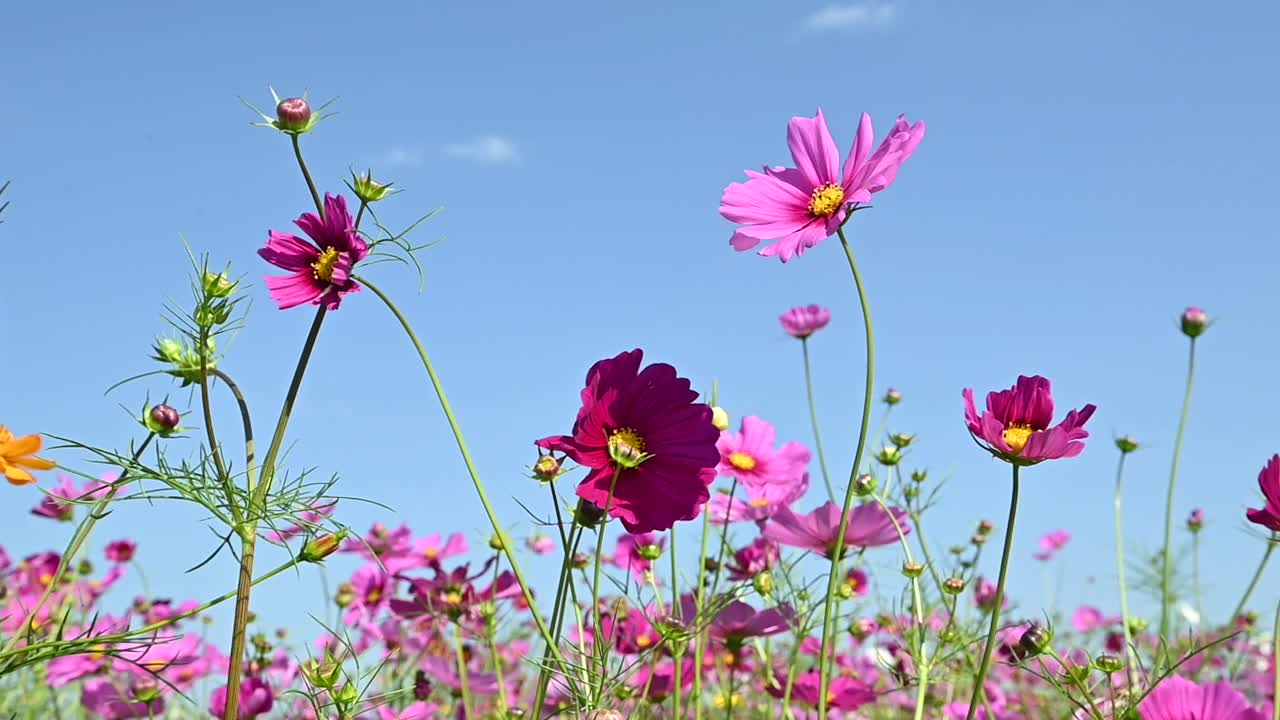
<point>404,156</point>
<point>491,149</point>
<point>864,15</point>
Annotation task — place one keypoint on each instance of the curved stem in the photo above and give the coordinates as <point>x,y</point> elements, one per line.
<point>1253,585</point>
<point>245,419</point>
<point>471,466</point>
<point>73,546</point>
<point>981,677</point>
<point>813,418</point>
<point>828,610</point>
<point>1166,573</point>
<point>1132,655</point>
<point>215,449</point>
<point>306,174</point>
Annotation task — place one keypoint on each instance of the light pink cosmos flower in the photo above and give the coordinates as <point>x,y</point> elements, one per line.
<point>427,552</point>
<point>627,554</point>
<point>541,545</point>
<point>749,456</point>
<point>739,621</point>
<point>1087,619</point>
<point>1015,425</point>
<point>104,699</point>
<point>1177,698</point>
<point>416,711</point>
<point>869,526</point>
<point>805,320</point>
<point>1051,543</point>
<point>762,501</point>
<point>802,206</point>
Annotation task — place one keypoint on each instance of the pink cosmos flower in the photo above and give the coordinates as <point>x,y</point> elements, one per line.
<point>380,542</point>
<point>802,206</point>
<point>59,503</point>
<point>984,595</point>
<point>1268,515</point>
<point>1087,619</point>
<point>858,582</point>
<point>739,621</point>
<point>101,697</point>
<point>541,545</point>
<point>320,271</point>
<point>869,526</point>
<point>1177,698</point>
<point>256,698</point>
<point>121,551</point>
<point>427,552</point>
<point>1051,543</point>
<point>646,428</point>
<point>762,501</point>
<point>627,554</point>
<point>1015,425</point>
<point>844,693</point>
<point>372,589</point>
<point>416,711</point>
<point>309,521</point>
<point>801,322</point>
<point>748,455</point>
<point>762,554</point>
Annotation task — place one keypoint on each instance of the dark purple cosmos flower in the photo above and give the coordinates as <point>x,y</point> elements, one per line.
<point>1268,515</point>
<point>320,271</point>
<point>869,526</point>
<point>1015,425</point>
<point>802,206</point>
<point>645,429</point>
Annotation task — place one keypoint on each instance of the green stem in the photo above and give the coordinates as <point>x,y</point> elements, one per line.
<point>1244,599</point>
<point>1166,574</point>
<point>471,466</point>
<point>678,612</point>
<point>1131,654</point>
<point>728,699</point>
<point>981,677</point>
<point>491,637</point>
<point>828,611</point>
<point>1275,664</point>
<point>1195,573</point>
<point>1079,683</point>
<point>813,418</point>
<point>306,174</point>
<point>570,545</point>
<point>215,449</point>
<point>699,642</point>
<point>601,643</point>
<point>463,678</point>
<point>724,542</point>
<point>76,543</point>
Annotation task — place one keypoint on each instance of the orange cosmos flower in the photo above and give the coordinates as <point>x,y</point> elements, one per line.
<point>17,457</point>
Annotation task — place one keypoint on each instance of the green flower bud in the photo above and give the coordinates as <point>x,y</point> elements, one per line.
<point>719,417</point>
<point>649,552</point>
<point>1126,444</point>
<point>901,440</point>
<point>1108,663</point>
<point>369,190</point>
<point>912,569</point>
<point>889,455</point>
<point>864,485</point>
<point>953,585</point>
<point>1034,641</point>
<point>321,547</point>
<point>763,583</point>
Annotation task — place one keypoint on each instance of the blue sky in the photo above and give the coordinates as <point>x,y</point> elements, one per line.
<point>1090,169</point>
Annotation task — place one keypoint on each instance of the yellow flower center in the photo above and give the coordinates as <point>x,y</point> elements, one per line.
<point>826,200</point>
<point>431,553</point>
<point>453,597</point>
<point>324,266</point>
<point>374,596</point>
<point>742,461</point>
<point>643,641</point>
<point>759,502</point>
<point>626,447</point>
<point>1016,436</point>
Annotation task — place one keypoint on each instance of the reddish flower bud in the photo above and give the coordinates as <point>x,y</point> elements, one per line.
<point>293,114</point>
<point>1194,322</point>
<point>321,547</point>
<point>163,420</point>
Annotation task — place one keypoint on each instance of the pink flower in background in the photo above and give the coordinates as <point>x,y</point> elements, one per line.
<point>857,582</point>
<point>121,551</point>
<point>646,427</point>
<point>542,545</point>
<point>256,698</point>
<point>628,553</point>
<point>1177,698</point>
<point>1087,619</point>
<point>60,502</point>
<point>805,320</point>
<point>416,711</point>
<point>761,502</point>
<point>984,595</point>
<point>753,559</point>
<point>426,552</point>
<point>1015,425</point>
<point>380,542</point>
<point>309,521</point>
<point>1051,543</point>
<point>1268,515</point>
<point>869,526</point>
<point>101,697</point>
<point>320,270</point>
<point>371,590</point>
<point>749,456</point>
<point>738,621</point>
<point>802,206</point>
<point>844,693</point>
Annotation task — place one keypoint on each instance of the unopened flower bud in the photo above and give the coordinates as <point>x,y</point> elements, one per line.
<point>421,686</point>
<point>957,549</point>
<point>892,397</point>
<point>347,695</point>
<point>719,417</point>
<point>580,560</point>
<point>547,468</point>
<point>293,115</point>
<point>588,514</point>
<point>369,190</point>
<point>985,526</point>
<point>1195,521</point>
<point>889,455</point>
<point>912,569</point>
<point>217,285</point>
<point>345,596</point>
<point>487,610</point>
<point>146,689</point>
<point>498,541</point>
<point>910,492</point>
<point>1137,625</point>
<point>919,475</point>
<point>85,568</point>
<point>1126,444</point>
<point>953,585</point>
<point>864,485</point>
<point>763,583</point>
<point>162,420</point>
<point>649,552</point>
<point>1194,322</point>
<point>711,565</point>
<point>901,439</point>
<point>1108,663</point>
<point>845,591</point>
<point>321,547</point>
<point>1034,640</point>
<point>862,628</point>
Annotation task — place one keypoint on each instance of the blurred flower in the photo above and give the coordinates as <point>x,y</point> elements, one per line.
<point>857,582</point>
<point>752,560</point>
<point>308,521</point>
<point>121,551</point>
<point>801,322</point>
<point>256,698</point>
<point>1087,619</point>
<point>738,621</point>
<point>761,503</point>
<point>1268,515</point>
<point>320,270</point>
<point>1195,521</point>
<point>1051,543</point>
<point>645,429</point>
<point>102,698</point>
<point>17,456</point>
<point>628,556</point>
<point>984,595</point>
<point>1176,698</point>
<point>542,545</point>
<point>843,693</point>
<point>869,526</point>
<point>1015,425</point>
<point>802,206</point>
<point>748,455</point>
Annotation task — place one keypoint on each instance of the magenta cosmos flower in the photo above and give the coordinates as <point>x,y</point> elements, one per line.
<point>1268,515</point>
<point>320,270</point>
<point>645,429</point>
<point>869,526</point>
<point>802,206</point>
<point>1177,698</point>
<point>749,456</point>
<point>801,322</point>
<point>1015,425</point>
